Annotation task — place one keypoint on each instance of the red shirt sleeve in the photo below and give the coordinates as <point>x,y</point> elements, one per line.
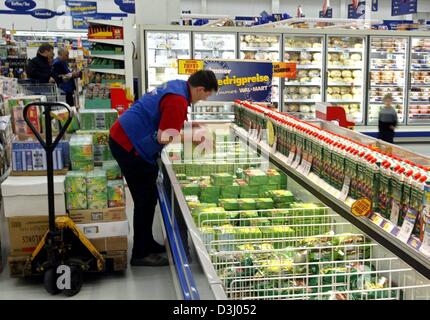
<point>174,109</point>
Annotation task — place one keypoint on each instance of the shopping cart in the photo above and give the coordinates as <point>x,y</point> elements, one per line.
<point>49,90</point>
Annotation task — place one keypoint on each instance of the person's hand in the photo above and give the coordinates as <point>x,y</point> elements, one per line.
<point>392,127</point>
<point>51,80</point>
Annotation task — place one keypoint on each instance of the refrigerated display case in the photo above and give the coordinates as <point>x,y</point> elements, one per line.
<point>301,243</point>
<point>388,69</point>
<point>301,94</point>
<point>212,45</point>
<point>264,47</point>
<point>162,51</point>
<point>345,75</point>
<point>419,91</point>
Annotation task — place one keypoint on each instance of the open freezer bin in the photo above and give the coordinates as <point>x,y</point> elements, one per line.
<point>264,242</point>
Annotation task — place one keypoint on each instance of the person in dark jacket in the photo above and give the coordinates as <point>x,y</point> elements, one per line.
<point>387,120</point>
<point>64,77</point>
<point>136,140</point>
<point>39,68</point>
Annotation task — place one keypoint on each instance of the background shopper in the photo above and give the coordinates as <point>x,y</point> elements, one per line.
<point>39,68</point>
<point>387,120</point>
<point>136,142</point>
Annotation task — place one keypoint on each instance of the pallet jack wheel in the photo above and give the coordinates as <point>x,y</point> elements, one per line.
<point>50,281</point>
<point>76,281</point>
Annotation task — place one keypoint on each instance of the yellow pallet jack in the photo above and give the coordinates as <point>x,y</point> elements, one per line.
<point>64,253</point>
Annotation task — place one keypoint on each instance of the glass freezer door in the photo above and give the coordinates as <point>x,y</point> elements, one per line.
<point>262,47</point>
<point>214,45</point>
<point>387,75</point>
<point>163,49</point>
<point>419,92</point>
<point>301,94</point>
<point>345,69</point>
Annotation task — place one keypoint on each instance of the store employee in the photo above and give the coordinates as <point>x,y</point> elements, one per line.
<point>136,142</point>
<point>387,120</point>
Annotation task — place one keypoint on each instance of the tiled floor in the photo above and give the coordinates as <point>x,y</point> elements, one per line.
<point>135,283</point>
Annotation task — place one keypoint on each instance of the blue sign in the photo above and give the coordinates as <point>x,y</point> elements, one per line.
<point>20,5</point>
<point>82,8</point>
<point>328,13</point>
<point>45,13</point>
<point>374,5</point>
<point>402,7</point>
<point>128,6</point>
<point>242,80</point>
<point>357,13</point>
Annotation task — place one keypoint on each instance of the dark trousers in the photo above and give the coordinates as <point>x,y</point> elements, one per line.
<point>70,99</point>
<point>141,178</point>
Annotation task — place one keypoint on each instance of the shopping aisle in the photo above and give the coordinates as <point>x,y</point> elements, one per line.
<point>420,148</point>
<point>146,283</point>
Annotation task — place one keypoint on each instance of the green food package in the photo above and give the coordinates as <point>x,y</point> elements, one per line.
<point>211,216</point>
<point>246,190</point>
<point>179,167</point>
<point>87,165</point>
<point>75,182</point>
<point>208,235</point>
<point>190,189</point>
<point>193,169</point>
<point>281,196</point>
<point>100,137</point>
<point>209,198</point>
<point>266,188</point>
<point>248,233</point>
<point>76,201</point>
<point>116,193</point>
<point>255,177</point>
<point>208,189</point>
<point>102,153</point>
<point>181,176</point>
<point>247,204</point>
<point>226,233</point>
<point>264,203</point>
<point>229,204</point>
<point>96,181</point>
<point>81,148</point>
<point>281,232</point>
<point>97,200</point>
<point>221,179</point>
<point>232,191</point>
<point>113,171</point>
<point>197,206</point>
<point>102,119</point>
<point>247,218</point>
<point>273,176</point>
<point>282,205</point>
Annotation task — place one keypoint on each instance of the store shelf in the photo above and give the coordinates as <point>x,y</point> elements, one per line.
<point>164,49</point>
<point>303,49</point>
<point>411,103</point>
<point>307,67</point>
<point>300,100</point>
<point>295,84</point>
<point>260,49</point>
<point>345,50</point>
<point>116,42</point>
<point>420,85</point>
<point>344,84</point>
<point>344,68</point>
<point>343,101</point>
<point>384,52</point>
<point>120,72</point>
<point>391,69</point>
<point>109,56</point>
<point>206,49</point>
<point>396,85</point>
<point>420,69</point>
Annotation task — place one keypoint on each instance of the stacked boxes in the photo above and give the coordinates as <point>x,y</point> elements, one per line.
<point>100,144</point>
<point>98,119</point>
<point>16,108</point>
<point>97,189</point>
<point>81,152</point>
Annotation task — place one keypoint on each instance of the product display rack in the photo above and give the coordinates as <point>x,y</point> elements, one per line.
<point>124,58</point>
<point>202,277</point>
<point>356,108</point>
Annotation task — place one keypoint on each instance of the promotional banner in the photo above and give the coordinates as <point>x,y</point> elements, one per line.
<point>357,10</point>
<point>20,5</point>
<point>127,6</point>
<point>26,7</point>
<point>402,7</point>
<point>285,70</point>
<point>80,10</point>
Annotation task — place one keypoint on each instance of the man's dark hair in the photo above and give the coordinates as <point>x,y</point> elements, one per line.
<point>204,78</point>
<point>45,47</point>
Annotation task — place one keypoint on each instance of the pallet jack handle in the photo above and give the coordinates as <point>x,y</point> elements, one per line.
<point>49,147</point>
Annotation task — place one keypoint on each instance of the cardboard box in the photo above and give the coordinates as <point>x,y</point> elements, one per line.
<point>116,260</point>
<point>16,265</point>
<point>25,233</point>
<point>110,244</point>
<point>28,196</point>
<point>105,229</point>
<point>95,216</point>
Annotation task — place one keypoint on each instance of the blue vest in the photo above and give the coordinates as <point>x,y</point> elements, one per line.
<point>142,120</point>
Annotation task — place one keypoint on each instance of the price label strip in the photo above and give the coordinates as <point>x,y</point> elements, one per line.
<point>408,226</point>
<point>387,226</point>
<point>377,219</point>
<point>345,189</point>
<point>308,167</point>
<point>290,158</point>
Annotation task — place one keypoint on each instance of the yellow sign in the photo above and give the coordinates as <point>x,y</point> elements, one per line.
<point>189,66</point>
<point>285,70</point>
<point>271,133</point>
<point>361,207</point>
